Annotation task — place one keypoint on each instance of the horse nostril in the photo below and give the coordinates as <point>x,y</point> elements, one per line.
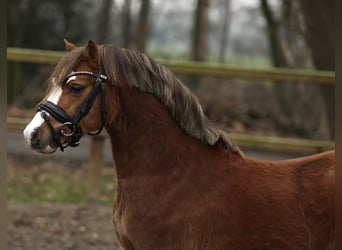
<point>35,136</point>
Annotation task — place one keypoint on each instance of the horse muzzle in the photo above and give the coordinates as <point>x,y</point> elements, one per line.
<point>41,136</point>
<point>36,141</point>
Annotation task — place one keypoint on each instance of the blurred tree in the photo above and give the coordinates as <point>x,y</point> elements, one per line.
<point>226,16</point>
<point>13,37</point>
<point>143,26</point>
<point>300,108</point>
<point>277,55</point>
<point>42,25</point>
<point>295,50</point>
<point>104,20</point>
<point>285,34</point>
<point>126,24</point>
<point>320,35</point>
<point>200,31</point>
<point>13,9</point>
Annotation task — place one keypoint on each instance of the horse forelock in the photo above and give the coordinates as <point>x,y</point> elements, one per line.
<point>65,66</point>
<point>139,70</point>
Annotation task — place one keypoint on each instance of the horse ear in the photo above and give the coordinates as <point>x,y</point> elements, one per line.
<point>91,53</point>
<point>69,46</point>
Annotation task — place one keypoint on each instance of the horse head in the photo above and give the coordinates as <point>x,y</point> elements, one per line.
<point>76,102</point>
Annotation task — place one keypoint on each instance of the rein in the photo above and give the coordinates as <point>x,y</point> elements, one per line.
<point>60,115</point>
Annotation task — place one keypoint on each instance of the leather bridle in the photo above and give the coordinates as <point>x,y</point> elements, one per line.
<point>75,134</point>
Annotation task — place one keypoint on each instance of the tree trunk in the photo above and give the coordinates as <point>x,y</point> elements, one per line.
<point>143,27</point>
<point>199,39</point>
<point>14,72</point>
<point>104,20</point>
<point>294,100</point>
<point>200,31</point>
<point>320,26</point>
<point>126,24</point>
<point>278,57</point>
<point>226,15</point>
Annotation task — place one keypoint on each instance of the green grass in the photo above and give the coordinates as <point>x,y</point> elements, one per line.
<point>231,59</point>
<point>55,187</point>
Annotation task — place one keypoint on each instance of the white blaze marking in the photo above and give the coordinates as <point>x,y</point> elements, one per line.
<point>37,120</point>
<point>55,94</point>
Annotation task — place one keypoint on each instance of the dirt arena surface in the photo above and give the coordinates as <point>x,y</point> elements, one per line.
<point>59,227</point>
<point>51,226</point>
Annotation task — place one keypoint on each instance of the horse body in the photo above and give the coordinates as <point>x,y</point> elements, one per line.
<point>181,183</point>
<point>175,192</point>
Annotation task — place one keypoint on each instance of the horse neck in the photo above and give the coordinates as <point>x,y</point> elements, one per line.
<point>145,136</point>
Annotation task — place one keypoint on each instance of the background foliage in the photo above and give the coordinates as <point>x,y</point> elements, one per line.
<point>256,32</point>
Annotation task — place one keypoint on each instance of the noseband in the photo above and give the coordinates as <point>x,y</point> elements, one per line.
<point>60,115</point>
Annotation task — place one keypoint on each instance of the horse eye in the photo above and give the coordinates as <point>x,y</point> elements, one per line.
<point>76,88</point>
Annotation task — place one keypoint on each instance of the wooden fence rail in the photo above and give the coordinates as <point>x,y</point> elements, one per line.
<point>196,68</point>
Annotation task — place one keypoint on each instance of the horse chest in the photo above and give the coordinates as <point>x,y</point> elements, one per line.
<point>139,230</point>
<point>153,224</point>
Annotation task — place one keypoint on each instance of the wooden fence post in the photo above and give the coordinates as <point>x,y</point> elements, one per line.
<point>95,166</point>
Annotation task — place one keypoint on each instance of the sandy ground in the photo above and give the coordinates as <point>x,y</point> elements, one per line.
<point>58,227</point>
<point>45,226</point>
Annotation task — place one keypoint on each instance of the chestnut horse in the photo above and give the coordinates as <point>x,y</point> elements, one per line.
<point>181,182</point>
